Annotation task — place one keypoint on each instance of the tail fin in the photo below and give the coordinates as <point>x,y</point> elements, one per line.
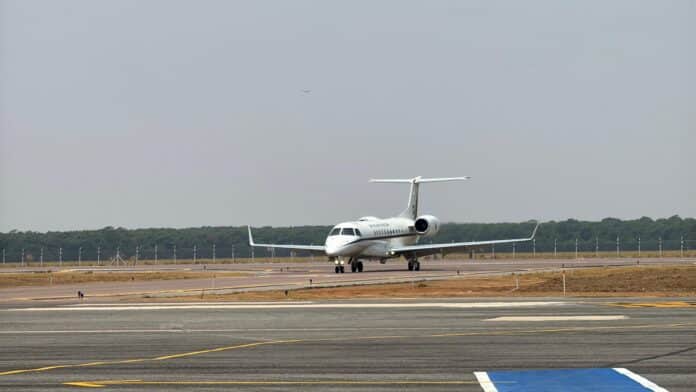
<point>411,210</point>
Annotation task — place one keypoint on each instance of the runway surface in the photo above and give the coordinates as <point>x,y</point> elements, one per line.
<point>344,345</point>
<point>282,276</point>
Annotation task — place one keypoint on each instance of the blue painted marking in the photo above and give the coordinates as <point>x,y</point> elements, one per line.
<point>566,380</point>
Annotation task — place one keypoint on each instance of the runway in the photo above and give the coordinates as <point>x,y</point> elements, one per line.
<point>345,345</point>
<point>288,276</point>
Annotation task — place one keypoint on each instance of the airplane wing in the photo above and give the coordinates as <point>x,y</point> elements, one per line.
<point>429,249</point>
<point>309,248</point>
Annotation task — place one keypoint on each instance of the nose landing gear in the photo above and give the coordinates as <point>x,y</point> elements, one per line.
<point>339,266</point>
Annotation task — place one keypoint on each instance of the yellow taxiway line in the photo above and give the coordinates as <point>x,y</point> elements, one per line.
<point>104,383</point>
<point>512,332</point>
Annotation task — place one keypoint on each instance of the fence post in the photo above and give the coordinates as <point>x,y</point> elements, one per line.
<point>155,253</point>
<point>3,255</point>
<point>596,247</point>
<point>555,240</point>
<point>60,256</point>
<point>194,254</point>
<point>79,256</point>
<point>513,250</point>
<point>22,263</point>
<point>638,246</point>
<point>174,254</point>
<point>660,246</point>
<point>681,249</point>
<point>213,253</point>
<point>98,255</point>
<point>576,247</point>
<point>618,247</point>
<point>534,247</point>
<point>41,257</point>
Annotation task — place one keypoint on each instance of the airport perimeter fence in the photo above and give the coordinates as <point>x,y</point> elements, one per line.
<point>154,254</point>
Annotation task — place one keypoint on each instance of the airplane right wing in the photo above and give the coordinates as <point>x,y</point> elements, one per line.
<point>430,249</point>
<point>317,249</point>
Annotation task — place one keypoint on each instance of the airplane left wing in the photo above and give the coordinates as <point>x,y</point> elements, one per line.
<point>429,249</point>
<point>308,248</point>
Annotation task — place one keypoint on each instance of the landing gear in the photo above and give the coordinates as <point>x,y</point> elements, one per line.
<point>339,269</point>
<point>414,265</point>
<point>356,266</point>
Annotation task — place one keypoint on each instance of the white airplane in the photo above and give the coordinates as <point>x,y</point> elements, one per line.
<point>371,238</point>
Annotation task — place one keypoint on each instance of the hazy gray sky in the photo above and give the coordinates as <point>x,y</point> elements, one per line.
<point>191,113</point>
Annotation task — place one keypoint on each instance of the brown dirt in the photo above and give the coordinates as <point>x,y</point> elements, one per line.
<point>48,278</point>
<point>657,281</point>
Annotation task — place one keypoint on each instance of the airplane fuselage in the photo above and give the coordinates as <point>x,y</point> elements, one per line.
<point>370,237</point>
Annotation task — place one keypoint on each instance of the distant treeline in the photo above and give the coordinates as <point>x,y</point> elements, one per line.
<point>232,241</point>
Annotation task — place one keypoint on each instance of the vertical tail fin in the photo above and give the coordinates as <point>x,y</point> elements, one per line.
<point>411,210</point>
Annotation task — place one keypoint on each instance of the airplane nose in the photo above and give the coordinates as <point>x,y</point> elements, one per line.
<point>331,250</point>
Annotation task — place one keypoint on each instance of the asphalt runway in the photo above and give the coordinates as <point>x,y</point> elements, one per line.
<point>283,276</point>
<point>340,345</point>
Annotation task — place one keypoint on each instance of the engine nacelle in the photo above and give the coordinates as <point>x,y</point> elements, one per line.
<point>427,225</point>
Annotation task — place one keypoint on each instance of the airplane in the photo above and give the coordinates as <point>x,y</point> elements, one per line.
<point>372,238</point>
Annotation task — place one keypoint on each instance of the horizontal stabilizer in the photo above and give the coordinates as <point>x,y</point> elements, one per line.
<point>418,180</point>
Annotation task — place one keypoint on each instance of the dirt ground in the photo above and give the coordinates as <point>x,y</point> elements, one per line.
<point>660,281</point>
<point>49,278</point>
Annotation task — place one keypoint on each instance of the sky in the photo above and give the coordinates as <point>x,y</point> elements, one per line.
<point>194,113</point>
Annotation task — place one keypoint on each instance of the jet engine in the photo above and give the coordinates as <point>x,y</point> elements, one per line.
<point>427,225</point>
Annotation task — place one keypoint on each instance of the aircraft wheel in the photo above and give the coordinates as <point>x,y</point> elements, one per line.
<point>410,265</point>
<point>337,269</point>
<point>360,266</point>
<point>343,269</point>
<point>416,266</point>
<point>353,267</point>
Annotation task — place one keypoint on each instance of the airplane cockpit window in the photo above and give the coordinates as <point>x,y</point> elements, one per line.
<point>357,232</point>
<point>348,231</point>
<point>335,231</point>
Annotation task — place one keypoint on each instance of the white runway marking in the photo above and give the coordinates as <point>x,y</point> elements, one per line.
<point>485,382</point>
<point>640,380</point>
<point>454,305</point>
<point>83,305</point>
<point>558,318</point>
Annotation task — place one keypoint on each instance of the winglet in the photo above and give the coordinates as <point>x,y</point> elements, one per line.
<point>533,232</point>
<point>251,239</point>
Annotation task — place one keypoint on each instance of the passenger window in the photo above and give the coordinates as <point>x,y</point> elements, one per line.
<point>335,231</point>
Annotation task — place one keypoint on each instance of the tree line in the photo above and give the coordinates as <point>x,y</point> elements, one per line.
<point>227,242</point>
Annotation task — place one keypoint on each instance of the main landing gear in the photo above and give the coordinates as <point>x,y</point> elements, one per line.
<point>414,265</point>
<point>356,266</point>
